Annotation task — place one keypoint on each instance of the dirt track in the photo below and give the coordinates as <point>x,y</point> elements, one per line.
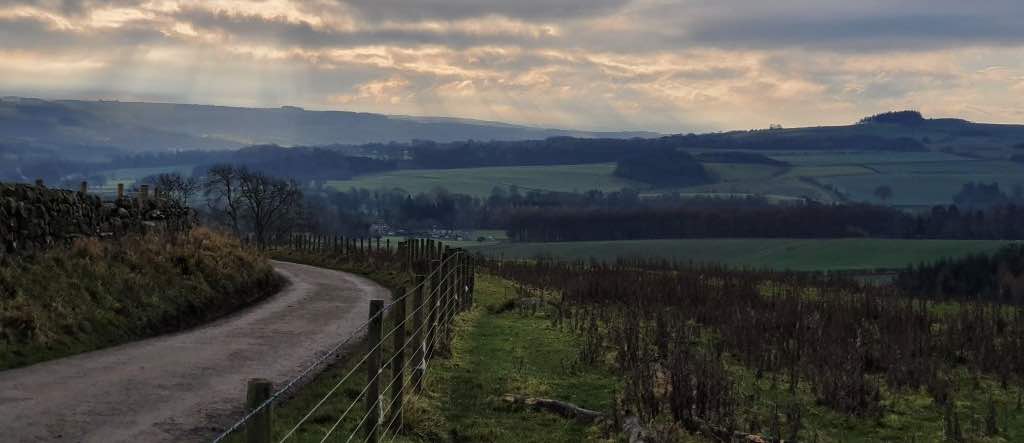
<point>185,386</point>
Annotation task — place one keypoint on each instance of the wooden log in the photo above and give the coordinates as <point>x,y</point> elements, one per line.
<point>562,408</point>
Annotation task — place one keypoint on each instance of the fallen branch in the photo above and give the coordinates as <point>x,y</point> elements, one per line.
<point>565,409</point>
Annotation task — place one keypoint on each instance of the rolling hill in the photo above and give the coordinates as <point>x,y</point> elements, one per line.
<point>95,129</point>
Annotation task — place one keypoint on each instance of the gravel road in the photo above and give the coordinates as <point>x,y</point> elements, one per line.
<point>186,386</point>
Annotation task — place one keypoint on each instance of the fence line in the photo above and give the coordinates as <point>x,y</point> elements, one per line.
<point>443,286</point>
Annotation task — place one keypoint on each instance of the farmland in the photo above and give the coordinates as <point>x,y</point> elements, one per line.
<point>480,181</point>
<point>918,179</point>
<point>792,254</point>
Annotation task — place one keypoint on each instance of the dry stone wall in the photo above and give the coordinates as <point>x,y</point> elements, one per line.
<point>34,218</point>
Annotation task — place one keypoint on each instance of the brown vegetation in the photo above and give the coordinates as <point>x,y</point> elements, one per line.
<point>681,338</point>
<point>97,294</point>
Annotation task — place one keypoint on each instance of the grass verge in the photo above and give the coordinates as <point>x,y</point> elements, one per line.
<point>498,350</point>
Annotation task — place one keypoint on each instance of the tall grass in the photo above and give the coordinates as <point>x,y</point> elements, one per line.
<point>101,293</point>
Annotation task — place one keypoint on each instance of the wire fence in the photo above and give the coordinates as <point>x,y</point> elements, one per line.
<point>394,360</point>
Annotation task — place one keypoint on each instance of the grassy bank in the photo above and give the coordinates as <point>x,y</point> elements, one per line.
<point>501,350</point>
<point>788,254</point>
<point>99,294</point>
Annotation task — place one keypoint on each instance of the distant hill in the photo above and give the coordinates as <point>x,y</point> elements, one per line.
<point>94,129</point>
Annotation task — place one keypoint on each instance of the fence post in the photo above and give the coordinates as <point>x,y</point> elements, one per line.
<point>448,299</point>
<point>373,370</point>
<point>419,349</point>
<point>120,191</point>
<point>398,366</point>
<point>259,429</point>
<point>460,284</point>
<point>435,294</point>
<point>472,281</point>
<point>83,188</point>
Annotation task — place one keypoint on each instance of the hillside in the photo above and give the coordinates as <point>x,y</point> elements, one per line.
<point>91,129</point>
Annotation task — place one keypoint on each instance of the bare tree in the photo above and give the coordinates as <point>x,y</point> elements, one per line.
<point>883,192</point>
<point>269,203</point>
<point>175,186</point>
<point>223,195</point>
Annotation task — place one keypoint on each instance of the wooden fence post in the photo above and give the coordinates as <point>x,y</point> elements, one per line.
<point>419,365</point>
<point>435,297</point>
<point>398,365</point>
<point>83,188</point>
<point>448,297</point>
<point>259,429</point>
<point>120,191</point>
<point>373,370</point>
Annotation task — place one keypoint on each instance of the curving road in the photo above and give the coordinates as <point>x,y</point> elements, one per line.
<point>185,386</point>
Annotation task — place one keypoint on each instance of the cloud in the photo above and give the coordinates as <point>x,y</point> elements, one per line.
<point>667,65</point>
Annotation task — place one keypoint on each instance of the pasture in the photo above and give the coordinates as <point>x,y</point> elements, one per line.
<point>480,181</point>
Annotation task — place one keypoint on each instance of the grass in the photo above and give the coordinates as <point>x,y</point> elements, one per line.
<point>493,352</point>
<point>820,158</point>
<point>917,189</point>
<point>99,294</point>
<point>497,351</point>
<point>480,181</point>
<point>793,254</point>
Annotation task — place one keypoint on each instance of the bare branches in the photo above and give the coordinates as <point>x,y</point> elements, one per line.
<point>269,203</point>
<point>175,186</point>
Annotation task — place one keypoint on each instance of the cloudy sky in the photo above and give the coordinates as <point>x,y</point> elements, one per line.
<point>664,65</point>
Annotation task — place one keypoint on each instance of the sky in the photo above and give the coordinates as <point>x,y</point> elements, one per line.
<point>667,66</point>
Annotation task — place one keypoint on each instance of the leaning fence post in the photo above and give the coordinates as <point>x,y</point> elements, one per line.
<point>259,429</point>
<point>373,370</point>
<point>398,366</point>
<point>419,348</point>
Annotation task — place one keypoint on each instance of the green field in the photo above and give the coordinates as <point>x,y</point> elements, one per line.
<point>918,179</point>
<point>793,254</point>
<point>917,189</point>
<point>480,181</point>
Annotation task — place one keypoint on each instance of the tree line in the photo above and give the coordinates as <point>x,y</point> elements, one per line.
<point>808,220</point>
<point>997,277</point>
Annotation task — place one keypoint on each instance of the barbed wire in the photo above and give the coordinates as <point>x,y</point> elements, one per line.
<point>356,366</point>
<point>394,355</point>
<point>433,327</point>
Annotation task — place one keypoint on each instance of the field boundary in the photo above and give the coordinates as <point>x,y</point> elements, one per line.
<point>422,323</point>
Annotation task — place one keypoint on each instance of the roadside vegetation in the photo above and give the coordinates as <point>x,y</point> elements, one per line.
<point>102,293</point>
